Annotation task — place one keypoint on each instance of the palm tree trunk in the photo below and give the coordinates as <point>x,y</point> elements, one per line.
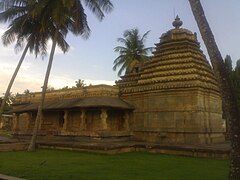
<point>32,145</point>
<point>12,79</point>
<point>230,108</point>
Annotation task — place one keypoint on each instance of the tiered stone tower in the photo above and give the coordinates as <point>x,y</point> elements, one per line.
<point>176,96</point>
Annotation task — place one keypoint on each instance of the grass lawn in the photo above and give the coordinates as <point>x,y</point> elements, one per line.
<point>3,131</point>
<point>56,164</point>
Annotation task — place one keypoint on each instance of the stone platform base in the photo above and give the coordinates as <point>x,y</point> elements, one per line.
<point>220,151</point>
<point>202,138</point>
<point>19,146</point>
<point>119,145</point>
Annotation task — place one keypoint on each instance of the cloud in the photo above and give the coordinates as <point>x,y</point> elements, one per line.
<point>35,82</point>
<point>96,82</point>
<point>61,81</point>
<point>31,74</point>
<point>22,82</point>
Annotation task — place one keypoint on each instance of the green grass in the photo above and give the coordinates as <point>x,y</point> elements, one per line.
<point>55,164</point>
<point>4,131</point>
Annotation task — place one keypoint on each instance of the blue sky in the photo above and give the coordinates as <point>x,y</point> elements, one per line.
<point>92,59</point>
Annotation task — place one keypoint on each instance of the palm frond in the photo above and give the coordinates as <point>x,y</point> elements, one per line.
<point>8,37</point>
<point>99,7</point>
<point>62,43</point>
<point>144,37</point>
<point>79,24</point>
<point>133,52</point>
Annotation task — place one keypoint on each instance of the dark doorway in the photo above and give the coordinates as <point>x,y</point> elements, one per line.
<point>61,119</point>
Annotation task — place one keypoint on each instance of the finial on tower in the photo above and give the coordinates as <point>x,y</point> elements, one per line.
<point>177,23</point>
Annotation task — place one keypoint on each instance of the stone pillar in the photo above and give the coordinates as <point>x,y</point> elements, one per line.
<point>29,119</point>
<point>1,122</point>
<point>65,117</point>
<point>15,122</point>
<point>103,117</point>
<point>83,119</point>
<point>41,121</point>
<point>126,120</point>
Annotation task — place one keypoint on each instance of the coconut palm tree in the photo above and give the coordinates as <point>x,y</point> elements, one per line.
<point>6,16</point>
<point>65,16</point>
<point>132,53</point>
<point>229,101</point>
<point>79,83</point>
<point>23,28</point>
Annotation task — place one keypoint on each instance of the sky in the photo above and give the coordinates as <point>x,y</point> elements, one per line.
<point>92,60</point>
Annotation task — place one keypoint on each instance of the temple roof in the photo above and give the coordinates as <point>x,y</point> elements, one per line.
<point>86,102</point>
<point>177,62</point>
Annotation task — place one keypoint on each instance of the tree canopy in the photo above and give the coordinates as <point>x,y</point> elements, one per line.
<point>10,99</point>
<point>234,75</point>
<point>133,53</point>
<point>61,16</point>
<point>80,83</point>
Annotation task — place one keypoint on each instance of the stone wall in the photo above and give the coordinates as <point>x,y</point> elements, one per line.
<point>88,91</point>
<point>6,122</point>
<point>183,116</point>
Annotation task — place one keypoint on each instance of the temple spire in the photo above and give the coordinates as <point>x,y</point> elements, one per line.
<point>177,23</point>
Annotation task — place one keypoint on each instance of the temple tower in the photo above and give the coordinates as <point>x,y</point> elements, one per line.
<point>176,95</point>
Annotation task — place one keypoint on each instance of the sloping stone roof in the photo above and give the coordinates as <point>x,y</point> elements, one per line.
<point>86,102</point>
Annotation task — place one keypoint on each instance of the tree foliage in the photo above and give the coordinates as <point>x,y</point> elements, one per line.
<point>50,88</point>
<point>64,88</point>
<point>65,16</point>
<point>234,75</point>
<point>10,99</point>
<point>228,64</point>
<point>133,52</point>
<point>27,91</point>
<point>26,30</point>
<point>80,83</point>
<point>230,105</point>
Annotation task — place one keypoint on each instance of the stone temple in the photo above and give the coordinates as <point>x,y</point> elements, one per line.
<point>172,99</point>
